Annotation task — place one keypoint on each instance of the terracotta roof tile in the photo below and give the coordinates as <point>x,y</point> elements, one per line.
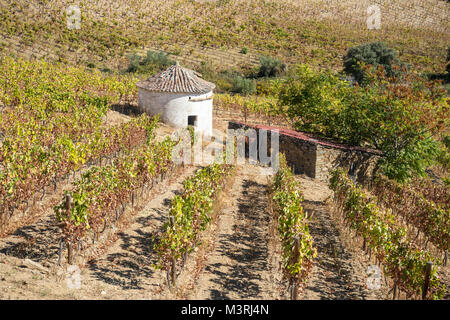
<point>177,79</point>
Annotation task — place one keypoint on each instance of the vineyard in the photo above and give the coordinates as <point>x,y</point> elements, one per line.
<point>316,32</point>
<point>387,239</point>
<point>297,246</point>
<point>79,189</point>
<point>94,204</point>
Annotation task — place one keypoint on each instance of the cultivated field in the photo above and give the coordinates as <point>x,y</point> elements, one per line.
<point>93,205</point>
<point>316,32</point>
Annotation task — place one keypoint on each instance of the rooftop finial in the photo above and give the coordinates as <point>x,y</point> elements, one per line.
<point>177,63</point>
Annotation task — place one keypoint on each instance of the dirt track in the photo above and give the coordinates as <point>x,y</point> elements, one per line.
<point>340,270</point>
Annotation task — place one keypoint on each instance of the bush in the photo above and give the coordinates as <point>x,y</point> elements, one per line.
<point>270,67</point>
<point>243,86</point>
<point>244,50</point>
<point>152,63</point>
<point>227,80</point>
<point>223,85</point>
<point>374,54</point>
<point>159,59</point>
<point>134,62</point>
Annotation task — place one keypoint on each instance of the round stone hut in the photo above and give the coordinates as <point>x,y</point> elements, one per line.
<point>181,96</point>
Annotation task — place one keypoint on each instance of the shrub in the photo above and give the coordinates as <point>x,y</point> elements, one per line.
<point>223,85</point>
<point>151,63</point>
<point>374,54</point>
<point>243,86</point>
<point>244,50</point>
<point>159,59</point>
<point>226,80</point>
<point>134,62</point>
<point>270,67</point>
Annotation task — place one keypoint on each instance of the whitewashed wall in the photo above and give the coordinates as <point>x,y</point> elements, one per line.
<point>176,107</point>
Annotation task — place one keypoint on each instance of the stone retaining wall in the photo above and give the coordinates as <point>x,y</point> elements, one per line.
<point>316,158</point>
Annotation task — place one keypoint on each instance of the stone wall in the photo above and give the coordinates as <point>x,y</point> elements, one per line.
<point>300,155</point>
<point>316,158</point>
<point>359,163</point>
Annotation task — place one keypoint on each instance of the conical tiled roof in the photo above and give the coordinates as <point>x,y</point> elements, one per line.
<point>177,79</point>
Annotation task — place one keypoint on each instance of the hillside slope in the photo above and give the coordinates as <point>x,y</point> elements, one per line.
<point>298,31</point>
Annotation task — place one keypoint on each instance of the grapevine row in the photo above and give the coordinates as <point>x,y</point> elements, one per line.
<point>385,237</point>
<point>431,219</point>
<point>101,193</point>
<point>21,179</point>
<point>189,214</point>
<point>437,193</point>
<point>51,124</point>
<point>298,251</point>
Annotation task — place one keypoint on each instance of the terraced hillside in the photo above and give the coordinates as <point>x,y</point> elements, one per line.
<point>317,32</point>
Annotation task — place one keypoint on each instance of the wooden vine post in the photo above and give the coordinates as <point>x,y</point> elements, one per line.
<point>61,247</point>
<point>293,280</point>
<point>67,207</point>
<point>426,281</point>
<point>445,258</point>
<point>245,113</point>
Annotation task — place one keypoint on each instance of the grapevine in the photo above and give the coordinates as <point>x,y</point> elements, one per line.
<point>191,214</point>
<point>51,125</point>
<point>101,193</point>
<point>430,218</point>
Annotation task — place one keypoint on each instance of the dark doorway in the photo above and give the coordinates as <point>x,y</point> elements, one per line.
<point>192,121</point>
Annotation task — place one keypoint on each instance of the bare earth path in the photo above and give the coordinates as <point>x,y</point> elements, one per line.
<point>340,270</point>
<point>243,264</point>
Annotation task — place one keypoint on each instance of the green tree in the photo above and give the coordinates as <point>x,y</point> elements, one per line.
<point>314,101</point>
<point>374,54</point>
<point>270,67</point>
